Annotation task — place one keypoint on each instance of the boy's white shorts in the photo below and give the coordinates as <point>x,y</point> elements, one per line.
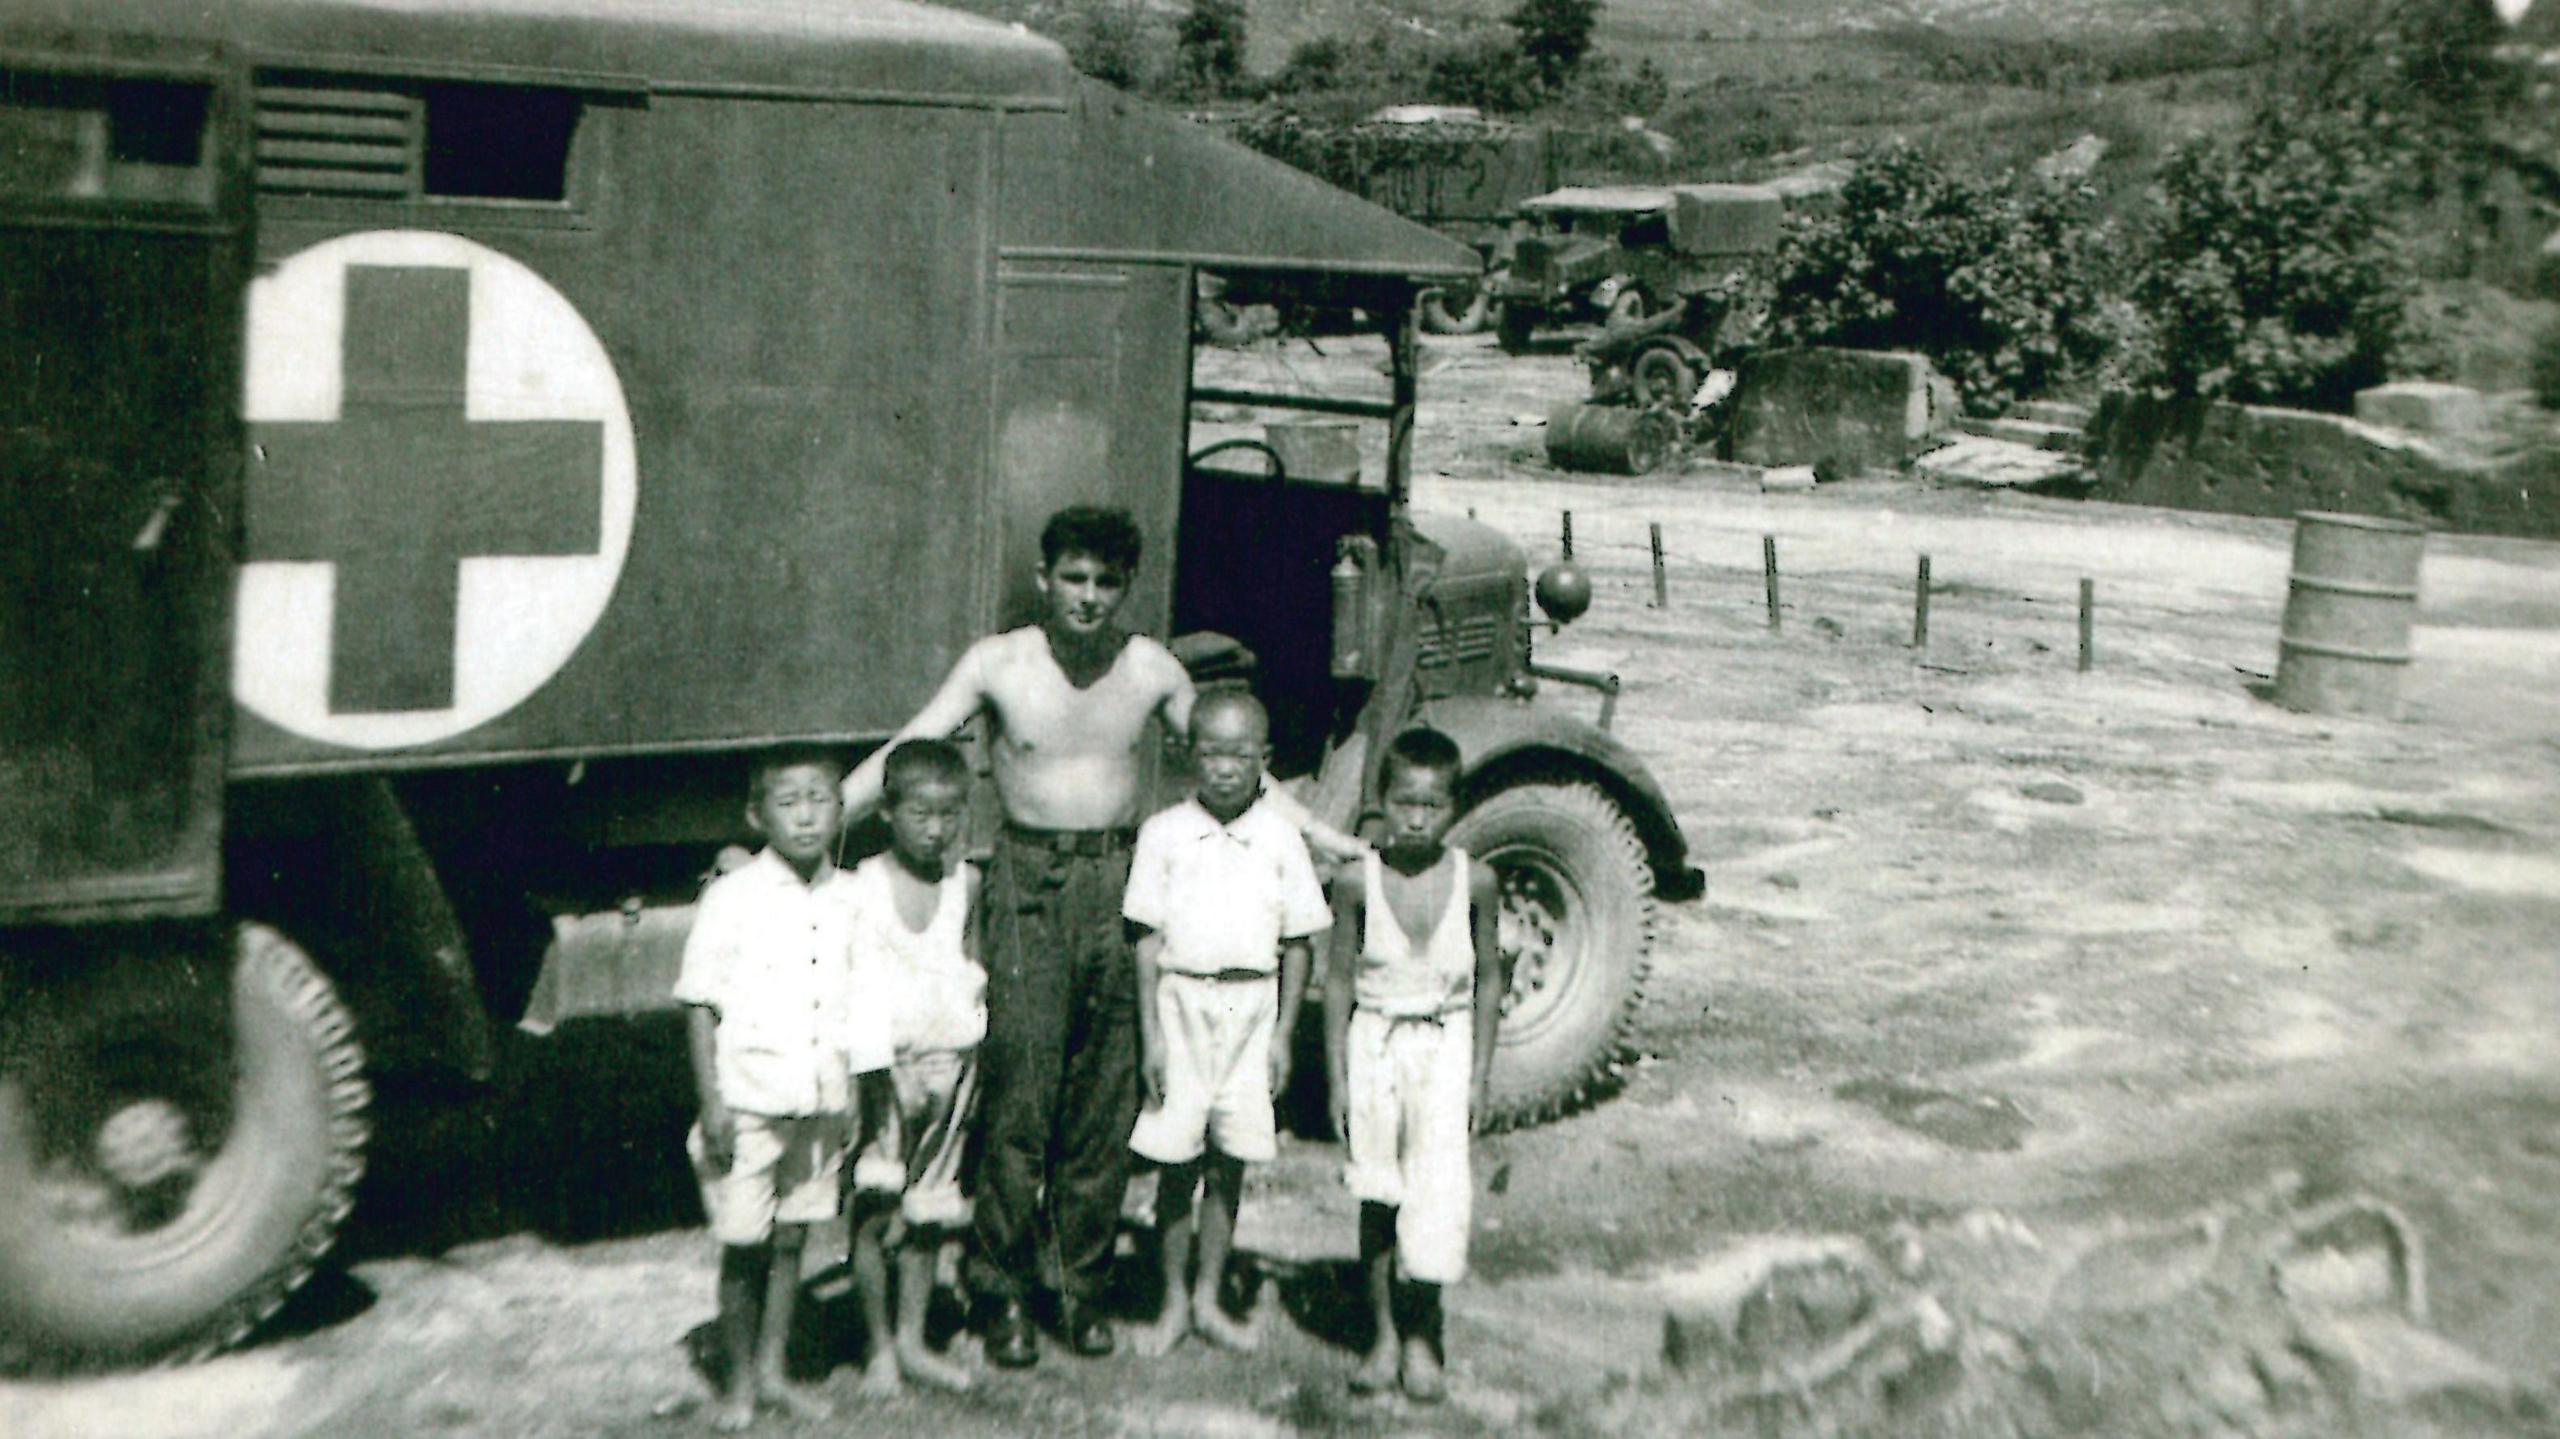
<point>1217,1070</point>
<point>786,1170</point>
<point>1408,1085</point>
<point>919,1151</point>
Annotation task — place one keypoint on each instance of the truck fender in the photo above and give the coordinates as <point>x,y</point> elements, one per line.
<point>337,865</point>
<point>1505,738</point>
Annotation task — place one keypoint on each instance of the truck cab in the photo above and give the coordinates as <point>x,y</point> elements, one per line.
<point>441,441</point>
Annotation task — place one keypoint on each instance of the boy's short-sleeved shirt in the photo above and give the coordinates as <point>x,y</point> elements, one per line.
<point>1223,895</point>
<point>774,957</point>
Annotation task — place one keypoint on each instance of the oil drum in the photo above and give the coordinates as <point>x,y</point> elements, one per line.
<point>2353,594</point>
<point>1615,439</point>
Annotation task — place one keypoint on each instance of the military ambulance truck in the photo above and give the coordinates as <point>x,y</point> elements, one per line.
<point>439,438</point>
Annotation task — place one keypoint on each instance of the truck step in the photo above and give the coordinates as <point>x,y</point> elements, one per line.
<point>2061,439</point>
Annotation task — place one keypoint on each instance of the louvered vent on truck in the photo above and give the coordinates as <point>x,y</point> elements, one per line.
<point>347,142</point>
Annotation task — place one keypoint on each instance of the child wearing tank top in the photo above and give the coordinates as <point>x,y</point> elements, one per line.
<point>1413,998</point>
<point>912,910</point>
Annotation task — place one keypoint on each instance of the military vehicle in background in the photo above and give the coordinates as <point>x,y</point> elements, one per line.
<point>440,440</point>
<point>1445,166</point>
<point>1614,255</point>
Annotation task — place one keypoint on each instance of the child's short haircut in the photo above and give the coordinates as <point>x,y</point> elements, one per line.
<point>1107,534</point>
<point>1223,696</point>
<point>922,761</point>
<point>1423,748</point>
<point>771,761</point>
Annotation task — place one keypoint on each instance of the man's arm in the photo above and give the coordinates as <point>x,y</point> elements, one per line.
<point>963,694</point>
<point>1345,953</point>
<point>1485,923</point>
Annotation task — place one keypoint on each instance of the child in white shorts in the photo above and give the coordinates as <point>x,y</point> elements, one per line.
<point>1223,886</point>
<point>1412,999</point>
<point>913,911</point>
<point>776,1041</point>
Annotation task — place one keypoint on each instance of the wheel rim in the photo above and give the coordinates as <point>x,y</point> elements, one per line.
<point>1545,935</point>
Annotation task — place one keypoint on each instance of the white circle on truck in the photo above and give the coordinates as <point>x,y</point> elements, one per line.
<point>440,489</point>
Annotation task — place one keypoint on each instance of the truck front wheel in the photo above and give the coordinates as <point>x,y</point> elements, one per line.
<point>167,1189</point>
<point>1513,326</point>
<point>1577,935</point>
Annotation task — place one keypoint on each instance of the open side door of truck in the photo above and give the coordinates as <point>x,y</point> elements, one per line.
<point>121,274</point>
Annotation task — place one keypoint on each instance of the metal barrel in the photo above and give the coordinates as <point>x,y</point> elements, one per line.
<point>1617,439</point>
<point>2346,617</point>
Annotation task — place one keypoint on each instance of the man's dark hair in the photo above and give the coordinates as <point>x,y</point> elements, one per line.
<point>769,761</point>
<point>1420,747</point>
<point>1105,532</point>
<point>922,761</point>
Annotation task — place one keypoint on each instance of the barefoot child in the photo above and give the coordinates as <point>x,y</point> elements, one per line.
<point>1411,1001</point>
<point>766,982</point>
<point>913,912</point>
<point>1227,895</point>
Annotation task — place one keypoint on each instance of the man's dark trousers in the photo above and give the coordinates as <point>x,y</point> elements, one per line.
<point>1058,1072</point>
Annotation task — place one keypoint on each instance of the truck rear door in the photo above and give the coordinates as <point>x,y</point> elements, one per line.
<point>121,273</point>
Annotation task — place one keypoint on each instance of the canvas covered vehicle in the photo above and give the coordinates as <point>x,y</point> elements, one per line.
<point>1614,255</point>
<point>406,416</point>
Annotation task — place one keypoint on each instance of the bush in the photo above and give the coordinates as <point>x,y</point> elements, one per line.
<point>1210,40</point>
<point>1115,42</point>
<point>2546,368</point>
<point>2273,276</point>
<point>1998,282</point>
<point>1555,35</point>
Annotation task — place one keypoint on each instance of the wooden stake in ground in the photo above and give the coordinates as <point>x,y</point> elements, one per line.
<point>1920,607</point>
<point>1568,534</point>
<point>2088,611</point>
<point>1769,570</point>
<point>1661,584</point>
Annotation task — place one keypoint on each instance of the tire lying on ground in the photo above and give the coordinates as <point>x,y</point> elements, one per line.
<point>1577,931</point>
<point>1456,309</point>
<point>165,1190</point>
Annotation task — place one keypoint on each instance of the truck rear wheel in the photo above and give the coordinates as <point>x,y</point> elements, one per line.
<point>1577,933</point>
<point>168,1190</point>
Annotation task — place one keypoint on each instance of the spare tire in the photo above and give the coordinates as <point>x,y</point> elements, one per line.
<point>1577,929</point>
<point>167,1190</point>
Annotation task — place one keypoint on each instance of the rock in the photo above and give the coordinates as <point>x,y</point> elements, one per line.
<point>2254,460</point>
<point>2387,1359</point>
<point>2052,791</point>
<point>1990,463</point>
<point>1790,479</point>
<point>2425,407</point>
<point>1702,1306</point>
<point>2073,161</point>
<point>1861,409</point>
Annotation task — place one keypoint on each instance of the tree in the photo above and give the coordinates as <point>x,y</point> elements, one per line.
<point>1555,35</point>
<point>1211,43</point>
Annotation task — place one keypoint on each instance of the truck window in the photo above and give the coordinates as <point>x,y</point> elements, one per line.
<point>364,137</point>
<point>66,139</point>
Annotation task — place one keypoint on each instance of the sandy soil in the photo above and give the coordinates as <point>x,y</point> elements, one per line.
<point>2160,938</point>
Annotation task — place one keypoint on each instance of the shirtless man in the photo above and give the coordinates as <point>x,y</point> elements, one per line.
<point>1071,701</point>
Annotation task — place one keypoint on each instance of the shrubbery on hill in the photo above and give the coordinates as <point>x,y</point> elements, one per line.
<point>1999,282</point>
<point>2272,275</point>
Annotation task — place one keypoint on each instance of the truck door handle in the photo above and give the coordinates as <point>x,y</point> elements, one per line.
<point>146,541</point>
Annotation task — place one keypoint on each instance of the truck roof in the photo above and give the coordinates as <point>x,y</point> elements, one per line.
<point>887,47</point>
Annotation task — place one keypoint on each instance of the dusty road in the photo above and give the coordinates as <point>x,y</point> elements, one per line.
<point>1982,933</point>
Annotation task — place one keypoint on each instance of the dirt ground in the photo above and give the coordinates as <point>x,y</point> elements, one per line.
<point>1982,933</point>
